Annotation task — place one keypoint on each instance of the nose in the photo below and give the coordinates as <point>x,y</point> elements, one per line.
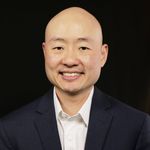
<point>70,58</point>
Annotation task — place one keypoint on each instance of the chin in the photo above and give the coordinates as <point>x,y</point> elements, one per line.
<point>71,91</point>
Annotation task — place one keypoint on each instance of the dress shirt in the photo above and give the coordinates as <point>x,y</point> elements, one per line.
<point>73,129</point>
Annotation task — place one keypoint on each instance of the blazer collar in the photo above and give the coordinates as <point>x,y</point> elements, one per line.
<point>45,123</point>
<point>99,123</point>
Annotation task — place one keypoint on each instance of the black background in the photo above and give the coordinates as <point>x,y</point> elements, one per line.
<point>126,29</point>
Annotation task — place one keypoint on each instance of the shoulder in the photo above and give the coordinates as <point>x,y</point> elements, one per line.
<point>27,111</point>
<point>125,110</point>
<point>23,113</point>
<point>126,120</point>
<point>121,110</point>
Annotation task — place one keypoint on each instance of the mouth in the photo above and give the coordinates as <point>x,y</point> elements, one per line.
<point>71,76</point>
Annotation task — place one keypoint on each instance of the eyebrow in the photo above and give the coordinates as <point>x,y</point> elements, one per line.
<point>80,39</point>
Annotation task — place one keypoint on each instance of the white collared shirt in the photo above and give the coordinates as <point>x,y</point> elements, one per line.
<point>73,129</point>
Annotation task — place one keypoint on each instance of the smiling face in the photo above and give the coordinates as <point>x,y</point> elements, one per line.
<point>73,51</point>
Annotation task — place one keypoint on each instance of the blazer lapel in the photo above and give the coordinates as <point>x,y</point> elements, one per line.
<point>46,124</point>
<point>99,123</point>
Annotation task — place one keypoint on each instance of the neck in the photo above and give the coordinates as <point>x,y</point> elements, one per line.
<point>71,103</point>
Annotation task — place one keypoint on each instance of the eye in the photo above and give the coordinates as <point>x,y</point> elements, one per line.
<point>84,48</point>
<point>58,48</point>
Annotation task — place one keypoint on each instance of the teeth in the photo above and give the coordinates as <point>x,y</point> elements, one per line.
<point>71,74</point>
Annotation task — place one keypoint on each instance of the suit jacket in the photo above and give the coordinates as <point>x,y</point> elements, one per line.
<point>112,126</point>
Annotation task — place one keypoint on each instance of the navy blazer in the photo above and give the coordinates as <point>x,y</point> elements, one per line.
<point>112,126</point>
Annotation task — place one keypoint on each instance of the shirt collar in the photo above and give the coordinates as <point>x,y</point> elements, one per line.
<point>84,112</point>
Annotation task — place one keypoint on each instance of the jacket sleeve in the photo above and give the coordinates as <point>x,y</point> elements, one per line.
<point>143,142</point>
<point>4,140</point>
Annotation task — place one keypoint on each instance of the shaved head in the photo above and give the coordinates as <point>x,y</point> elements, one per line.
<point>74,52</point>
<point>72,16</point>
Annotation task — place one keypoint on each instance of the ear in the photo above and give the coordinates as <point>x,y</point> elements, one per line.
<point>104,54</point>
<point>43,47</point>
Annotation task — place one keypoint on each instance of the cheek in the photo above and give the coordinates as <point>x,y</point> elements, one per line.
<point>51,61</point>
<point>92,62</point>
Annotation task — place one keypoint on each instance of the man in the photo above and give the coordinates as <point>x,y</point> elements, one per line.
<point>75,115</point>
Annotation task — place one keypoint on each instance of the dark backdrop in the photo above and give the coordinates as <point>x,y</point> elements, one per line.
<point>126,28</point>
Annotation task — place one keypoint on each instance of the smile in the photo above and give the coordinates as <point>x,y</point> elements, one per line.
<point>70,76</point>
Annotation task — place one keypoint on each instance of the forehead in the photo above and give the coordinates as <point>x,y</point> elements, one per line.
<point>80,29</point>
<point>70,34</point>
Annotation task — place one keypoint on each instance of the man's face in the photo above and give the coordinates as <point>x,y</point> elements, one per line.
<point>73,54</point>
